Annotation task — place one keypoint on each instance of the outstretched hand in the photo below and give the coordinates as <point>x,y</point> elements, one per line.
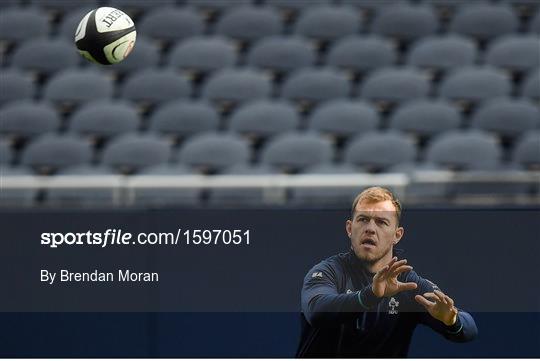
<point>385,283</point>
<point>441,307</point>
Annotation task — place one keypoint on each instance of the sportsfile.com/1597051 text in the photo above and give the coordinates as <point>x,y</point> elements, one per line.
<point>118,237</point>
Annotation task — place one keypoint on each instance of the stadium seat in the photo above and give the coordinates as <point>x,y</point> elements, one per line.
<point>522,4</point>
<point>531,85</point>
<point>534,25</point>
<point>377,151</point>
<point>74,87</point>
<point>507,116</point>
<point>51,152</point>
<point>104,119</point>
<point>405,22</point>
<point>25,118</point>
<point>313,85</point>
<point>442,52</point>
<point>249,23</point>
<point>333,168</point>
<point>362,53</point>
<point>213,152</point>
<point>242,196</point>
<point>484,21</point>
<point>82,197</point>
<point>6,153</point>
<point>170,24</point>
<point>527,151</point>
<point>475,84</point>
<point>264,118</point>
<point>45,56</point>
<point>465,150</point>
<point>281,53</point>
<point>514,53</point>
<point>327,23</point>
<point>180,119</point>
<point>9,3</point>
<point>295,151</point>
<point>325,196</point>
<point>394,85</point>
<point>15,85</point>
<point>140,6</point>
<point>145,54</point>
<point>157,196</point>
<point>425,118</point>
<point>134,151</point>
<point>370,6</point>
<point>13,197</point>
<point>166,169</point>
<point>20,24</point>
<point>412,167</point>
<point>233,86</point>
<point>68,24</point>
<point>155,86</point>
<point>424,190</point>
<point>445,3</point>
<point>344,118</point>
<point>203,54</point>
<point>216,5</point>
<point>297,5</point>
<point>87,169</point>
<point>60,7</point>
<point>445,9</point>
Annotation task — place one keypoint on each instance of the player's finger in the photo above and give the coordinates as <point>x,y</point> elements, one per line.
<point>399,270</point>
<point>433,296</point>
<point>424,302</point>
<point>397,264</point>
<point>449,301</point>
<point>392,261</point>
<point>383,271</point>
<point>406,286</point>
<point>442,296</point>
<point>380,274</point>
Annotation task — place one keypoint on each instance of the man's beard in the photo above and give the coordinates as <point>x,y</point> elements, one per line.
<point>371,258</point>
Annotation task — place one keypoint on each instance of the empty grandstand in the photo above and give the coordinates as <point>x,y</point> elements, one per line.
<point>265,102</point>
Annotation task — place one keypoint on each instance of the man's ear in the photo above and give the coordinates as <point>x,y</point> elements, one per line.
<point>348,226</point>
<point>399,234</point>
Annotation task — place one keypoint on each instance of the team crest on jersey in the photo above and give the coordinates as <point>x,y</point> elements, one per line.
<point>392,306</point>
<point>316,275</point>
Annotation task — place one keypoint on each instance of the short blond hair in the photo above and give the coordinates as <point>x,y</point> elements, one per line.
<point>374,195</point>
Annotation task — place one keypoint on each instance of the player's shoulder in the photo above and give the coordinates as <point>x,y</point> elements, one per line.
<point>332,265</point>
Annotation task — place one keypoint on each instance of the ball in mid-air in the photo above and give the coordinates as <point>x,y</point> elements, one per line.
<point>105,36</point>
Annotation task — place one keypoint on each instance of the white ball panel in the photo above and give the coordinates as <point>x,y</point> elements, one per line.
<point>81,29</point>
<point>111,19</point>
<point>120,49</point>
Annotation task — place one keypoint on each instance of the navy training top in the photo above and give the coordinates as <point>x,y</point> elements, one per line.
<point>341,317</point>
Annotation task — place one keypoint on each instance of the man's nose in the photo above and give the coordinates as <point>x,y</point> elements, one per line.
<point>370,227</point>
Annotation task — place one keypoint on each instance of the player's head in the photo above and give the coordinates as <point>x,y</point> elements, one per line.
<point>374,224</point>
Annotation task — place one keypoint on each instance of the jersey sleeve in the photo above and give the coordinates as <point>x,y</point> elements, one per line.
<point>462,331</point>
<point>322,302</point>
